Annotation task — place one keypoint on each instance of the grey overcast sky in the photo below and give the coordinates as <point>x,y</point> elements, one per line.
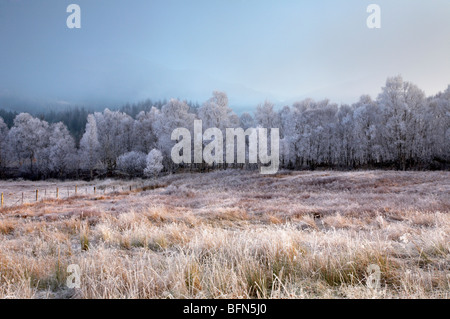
<point>282,50</point>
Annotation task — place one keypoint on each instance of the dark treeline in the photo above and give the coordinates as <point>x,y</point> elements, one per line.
<point>8,117</point>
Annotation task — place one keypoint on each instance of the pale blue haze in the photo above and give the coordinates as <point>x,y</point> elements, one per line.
<point>252,49</point>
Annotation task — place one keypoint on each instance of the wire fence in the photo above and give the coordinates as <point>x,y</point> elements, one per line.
<point>17,198</point>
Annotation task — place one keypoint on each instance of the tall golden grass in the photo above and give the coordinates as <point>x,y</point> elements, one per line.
<point>221,244</point>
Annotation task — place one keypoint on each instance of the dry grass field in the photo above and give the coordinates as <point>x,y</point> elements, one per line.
<point>234,234</point>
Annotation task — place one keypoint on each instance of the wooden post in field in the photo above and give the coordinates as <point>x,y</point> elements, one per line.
<point>2,201</point>
<point>37,195</point>
<point>76,190</point>
<point>94,190</point>
<point>22,198</point>
<point>57,193</point>
<point>130,188</point>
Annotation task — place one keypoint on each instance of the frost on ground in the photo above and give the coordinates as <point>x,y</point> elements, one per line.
<point>235,234</point>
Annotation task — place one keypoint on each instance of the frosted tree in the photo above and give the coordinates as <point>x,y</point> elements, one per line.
<point>266,117</point>
<point>144,133</point>
<point>215,112</point>
<point>439,132</point>
<point>3,145</point>
<point>28,136</point>
<point>90,146</point>
<point>174,114</point>
<point>234,120</point>
<point>287,135</point>
<point>154,163</point>
<point>133,163</point>
<point>325,146</point>
<point>115,133</point>
<point>61,150</point>
<point>344,138</point>
<point>284,116</point>
<point>367,128</point>
<point>310,131</point>
<point>285,152</point>
<point>402,103</point>
<point>298,130</point>
<point>246,121</point>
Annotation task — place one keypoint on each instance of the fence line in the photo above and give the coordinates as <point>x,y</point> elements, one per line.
<point>35,196</point>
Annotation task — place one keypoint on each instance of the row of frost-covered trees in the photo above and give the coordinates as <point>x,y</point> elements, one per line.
<point>401,129</point>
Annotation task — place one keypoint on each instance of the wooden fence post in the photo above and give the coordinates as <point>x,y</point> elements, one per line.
<point>57,193</point>
<point>2,201</point>
<point>76,190</point>
<point>22,198</point>
<point>94,190</point>
<point>37,195</point>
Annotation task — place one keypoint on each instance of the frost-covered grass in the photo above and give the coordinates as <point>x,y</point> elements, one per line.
<point>236,234</point>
